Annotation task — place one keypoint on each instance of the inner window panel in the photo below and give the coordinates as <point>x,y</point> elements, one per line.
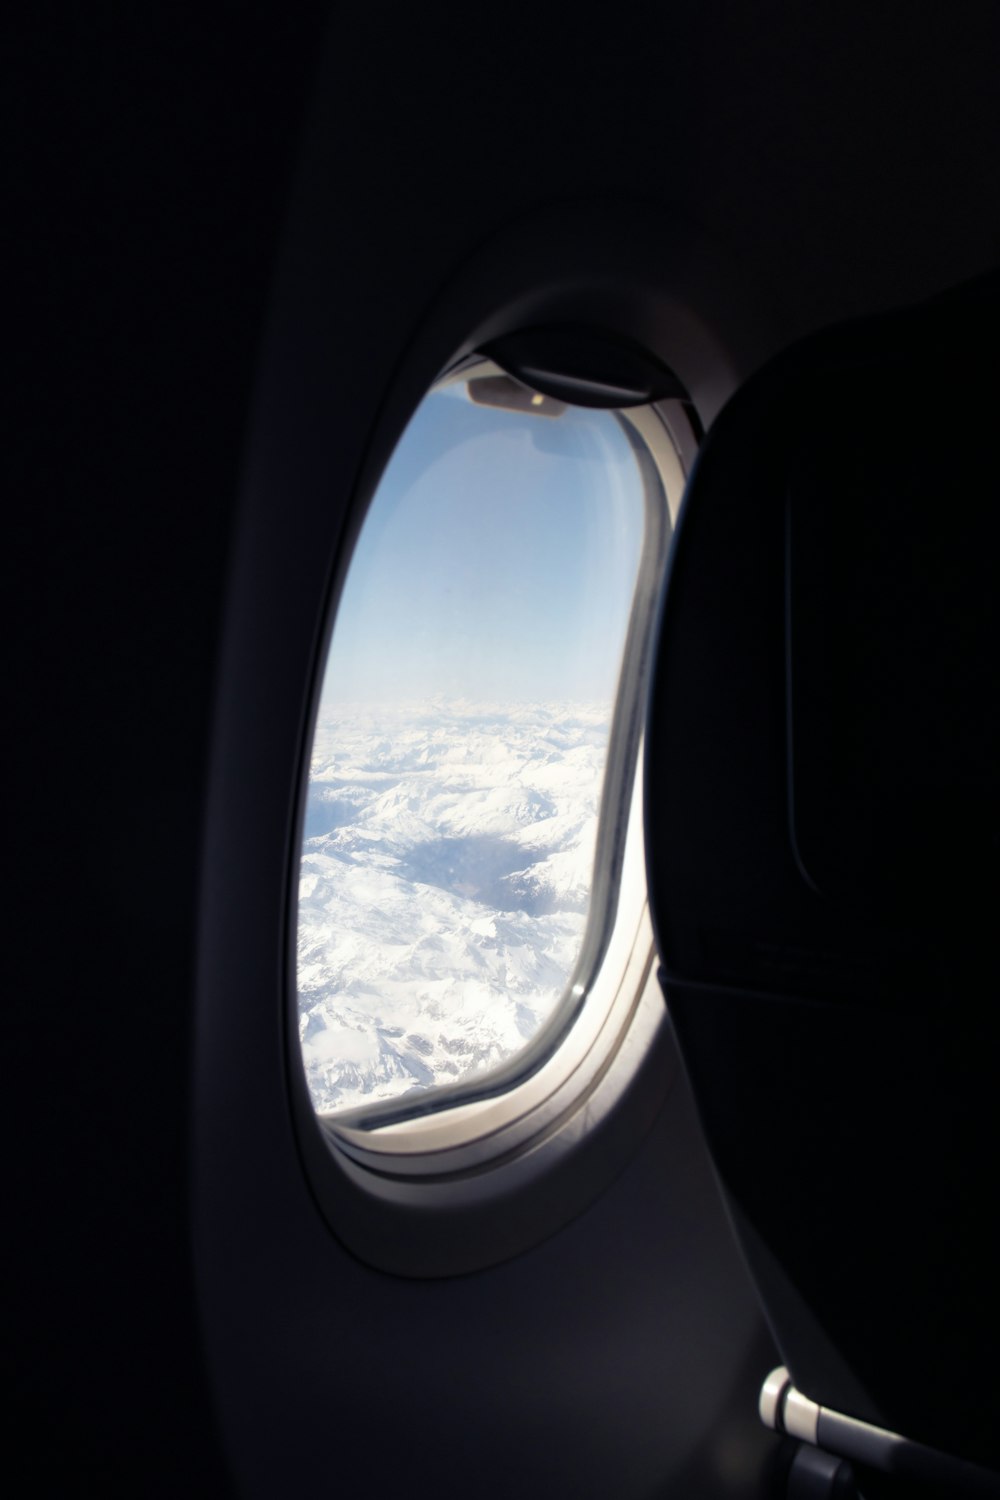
<point>458,757</point>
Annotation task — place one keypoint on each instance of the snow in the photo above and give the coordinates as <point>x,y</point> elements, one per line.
<point>445,879</point>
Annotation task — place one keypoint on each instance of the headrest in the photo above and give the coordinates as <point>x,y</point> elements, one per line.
<point>823,746</point>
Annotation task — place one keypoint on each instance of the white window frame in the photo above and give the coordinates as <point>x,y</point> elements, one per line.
<point>414,1185</point>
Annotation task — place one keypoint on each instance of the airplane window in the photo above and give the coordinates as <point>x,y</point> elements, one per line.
<point>456,811</point>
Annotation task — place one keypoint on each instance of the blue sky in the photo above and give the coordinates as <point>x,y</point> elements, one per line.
<point>496,562</point>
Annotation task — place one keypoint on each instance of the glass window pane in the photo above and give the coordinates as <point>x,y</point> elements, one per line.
<point>458,759</point>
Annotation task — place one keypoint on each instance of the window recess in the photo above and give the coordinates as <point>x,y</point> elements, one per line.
<point>473,952</point>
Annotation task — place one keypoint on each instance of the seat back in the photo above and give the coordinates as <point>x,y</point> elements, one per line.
<point>823,850</point>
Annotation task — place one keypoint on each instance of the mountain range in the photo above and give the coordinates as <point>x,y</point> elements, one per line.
<point>445,879</point>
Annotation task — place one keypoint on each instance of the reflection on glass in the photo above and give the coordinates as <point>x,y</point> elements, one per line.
<point>458,759</point>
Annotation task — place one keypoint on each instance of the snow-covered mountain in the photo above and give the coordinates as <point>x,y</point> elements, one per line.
<point>445,880</point>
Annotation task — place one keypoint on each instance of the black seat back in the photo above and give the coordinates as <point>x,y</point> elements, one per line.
<point>823,847</point>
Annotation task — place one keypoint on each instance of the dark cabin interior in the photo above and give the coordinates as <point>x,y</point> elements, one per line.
<point>181,1319</point>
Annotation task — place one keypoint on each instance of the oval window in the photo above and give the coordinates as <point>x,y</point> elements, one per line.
<point>458,861</point>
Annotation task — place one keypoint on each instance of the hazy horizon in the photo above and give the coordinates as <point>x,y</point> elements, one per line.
<point>497,560</point>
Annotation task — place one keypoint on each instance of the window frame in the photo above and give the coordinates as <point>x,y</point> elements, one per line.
<point>416,1189</point>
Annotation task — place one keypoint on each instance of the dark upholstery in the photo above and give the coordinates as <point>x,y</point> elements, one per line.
<point>823,845</point>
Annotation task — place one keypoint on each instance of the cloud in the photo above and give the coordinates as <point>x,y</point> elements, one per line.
<point>445,880</point>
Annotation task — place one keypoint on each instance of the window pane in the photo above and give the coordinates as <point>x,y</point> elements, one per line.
<point>458,759</point>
